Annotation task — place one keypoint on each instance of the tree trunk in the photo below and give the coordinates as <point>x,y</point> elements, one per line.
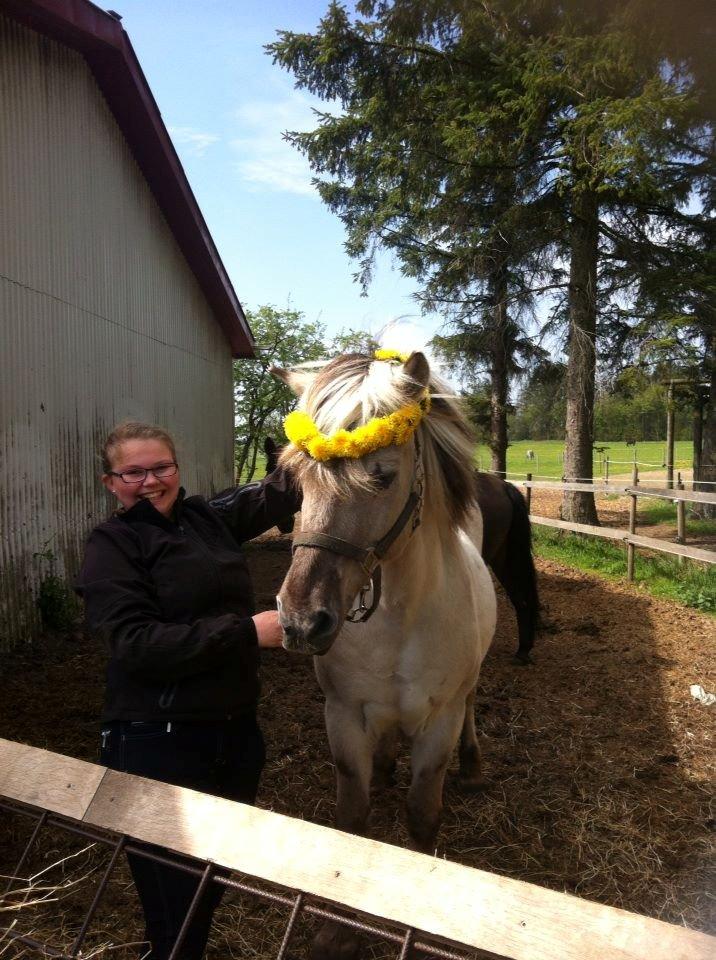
<point>708,446</point>
<point>254,456</point>
<point>499,380</point>
<point>579,507</point>
<point>241,459</point>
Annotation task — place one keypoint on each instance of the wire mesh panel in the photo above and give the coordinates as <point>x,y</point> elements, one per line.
<point>287,875</point>
<point>25,890</point>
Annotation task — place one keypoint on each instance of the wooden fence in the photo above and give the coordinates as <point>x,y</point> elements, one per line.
<point>507,918</point>
<point>630,538</point>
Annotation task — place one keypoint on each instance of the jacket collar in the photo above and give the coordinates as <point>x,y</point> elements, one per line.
<point>144,512</point>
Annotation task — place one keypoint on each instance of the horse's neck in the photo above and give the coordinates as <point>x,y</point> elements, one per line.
<point>422,565</point>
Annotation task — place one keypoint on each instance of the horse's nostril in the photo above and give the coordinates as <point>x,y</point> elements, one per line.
<point>324,623</point>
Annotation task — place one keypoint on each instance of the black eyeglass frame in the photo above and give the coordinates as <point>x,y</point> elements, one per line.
<point>147,471</point>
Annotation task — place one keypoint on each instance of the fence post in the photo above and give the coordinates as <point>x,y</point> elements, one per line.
<point>528,493</point>
<point>632,524</point>
<point>606,469</point>
<point>680,518</point>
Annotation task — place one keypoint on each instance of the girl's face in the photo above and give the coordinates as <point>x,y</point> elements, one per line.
<point>126,481</point>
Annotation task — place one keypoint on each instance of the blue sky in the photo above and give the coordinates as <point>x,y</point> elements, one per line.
<point>226,106</point>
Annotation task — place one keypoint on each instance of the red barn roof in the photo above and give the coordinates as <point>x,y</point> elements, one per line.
<point>100,38</point>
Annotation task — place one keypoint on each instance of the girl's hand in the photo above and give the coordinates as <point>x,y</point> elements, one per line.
<point>268,628</point>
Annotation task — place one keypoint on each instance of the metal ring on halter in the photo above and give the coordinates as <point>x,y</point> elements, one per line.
<point>362,610</point>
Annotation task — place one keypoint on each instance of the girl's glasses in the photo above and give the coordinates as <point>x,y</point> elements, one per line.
<point>139,474</point>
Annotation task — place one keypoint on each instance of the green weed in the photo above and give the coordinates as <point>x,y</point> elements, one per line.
<point>55,600</point>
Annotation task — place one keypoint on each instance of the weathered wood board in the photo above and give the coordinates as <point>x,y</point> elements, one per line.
<point>48,780</point>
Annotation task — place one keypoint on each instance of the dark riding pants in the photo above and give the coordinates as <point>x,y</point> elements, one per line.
<point>224,759</point>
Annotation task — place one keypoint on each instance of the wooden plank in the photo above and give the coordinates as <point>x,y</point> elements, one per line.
<point>608,533</point>
<point>612,533</point>
<point>690,496</point>
<point>513,919</point>
<point>676,549</point>
<point>575,486</point>
<point>47,780</point>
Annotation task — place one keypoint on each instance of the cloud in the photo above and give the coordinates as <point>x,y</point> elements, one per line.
<point>195,142</point>
<point>266,160</point>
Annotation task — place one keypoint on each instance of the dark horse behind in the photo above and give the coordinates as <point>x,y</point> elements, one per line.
<point>507,550</point>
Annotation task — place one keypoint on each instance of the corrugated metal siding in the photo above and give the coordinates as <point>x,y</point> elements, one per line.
<point>101,319</point>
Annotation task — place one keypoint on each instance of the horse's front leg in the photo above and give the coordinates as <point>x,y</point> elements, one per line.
<point>352,748</point>
<point>431,752</point>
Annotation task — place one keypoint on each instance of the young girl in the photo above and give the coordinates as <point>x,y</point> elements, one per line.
<point>167,590</point>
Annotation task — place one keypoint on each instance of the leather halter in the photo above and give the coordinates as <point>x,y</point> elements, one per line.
<point>369,557</point>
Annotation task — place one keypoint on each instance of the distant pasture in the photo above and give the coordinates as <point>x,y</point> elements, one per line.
<point>548,458</point>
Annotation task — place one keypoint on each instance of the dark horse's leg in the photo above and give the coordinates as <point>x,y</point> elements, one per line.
<point>514,568</point>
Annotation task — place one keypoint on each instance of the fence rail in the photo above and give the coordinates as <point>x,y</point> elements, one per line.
<point>678,496</point>
<point>622,536</point>
<point>489,915</point>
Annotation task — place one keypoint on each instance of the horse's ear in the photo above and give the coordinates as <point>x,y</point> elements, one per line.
<point>297,380</point>
<point>418,369</point>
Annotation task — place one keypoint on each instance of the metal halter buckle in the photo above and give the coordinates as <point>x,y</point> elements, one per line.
<point>362,610</point>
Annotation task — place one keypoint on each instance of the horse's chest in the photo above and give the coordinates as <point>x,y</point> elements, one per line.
<point>390,687</point>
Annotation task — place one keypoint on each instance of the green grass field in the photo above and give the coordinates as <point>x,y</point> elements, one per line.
<point>691,583</point>
<point>549,456</point>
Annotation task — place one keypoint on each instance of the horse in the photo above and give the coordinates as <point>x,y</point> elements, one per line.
<point>506,546</point>
<point>403,516</point>
<point>507,550</point>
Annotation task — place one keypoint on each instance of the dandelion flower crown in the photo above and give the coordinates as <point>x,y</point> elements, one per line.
<point>395,428</point>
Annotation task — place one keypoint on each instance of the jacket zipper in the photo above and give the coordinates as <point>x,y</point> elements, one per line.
<point>188,532</point>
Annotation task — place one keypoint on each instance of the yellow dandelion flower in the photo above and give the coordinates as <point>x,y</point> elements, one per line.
<point>340,442</point>
<point>299,428</point>
<point>319,447</point>
<point>391,355</point>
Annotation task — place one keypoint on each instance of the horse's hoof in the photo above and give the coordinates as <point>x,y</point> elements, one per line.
<point>335,942</point>
<point>523,659</point>
<point>472,784</point>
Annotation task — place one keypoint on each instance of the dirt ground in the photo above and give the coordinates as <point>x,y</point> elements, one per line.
<point>599,760</point>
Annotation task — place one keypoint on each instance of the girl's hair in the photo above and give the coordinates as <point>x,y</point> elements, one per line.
<point>132,430</point>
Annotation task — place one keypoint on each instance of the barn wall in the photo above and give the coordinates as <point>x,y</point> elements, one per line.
<point>100,320</point>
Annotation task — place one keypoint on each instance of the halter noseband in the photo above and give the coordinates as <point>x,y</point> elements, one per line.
<point>369,557</point>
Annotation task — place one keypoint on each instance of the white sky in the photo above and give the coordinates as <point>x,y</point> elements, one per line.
<point>226,106</point>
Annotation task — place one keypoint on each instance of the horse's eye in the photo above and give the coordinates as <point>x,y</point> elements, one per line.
<point>382,478</point>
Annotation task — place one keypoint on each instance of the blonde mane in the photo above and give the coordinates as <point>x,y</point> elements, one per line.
<point>353,388</point>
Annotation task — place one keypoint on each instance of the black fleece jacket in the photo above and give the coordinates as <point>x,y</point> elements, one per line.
<point>172,600</point>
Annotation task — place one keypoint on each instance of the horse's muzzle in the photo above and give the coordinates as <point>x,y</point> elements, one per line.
<point>311,633</point>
